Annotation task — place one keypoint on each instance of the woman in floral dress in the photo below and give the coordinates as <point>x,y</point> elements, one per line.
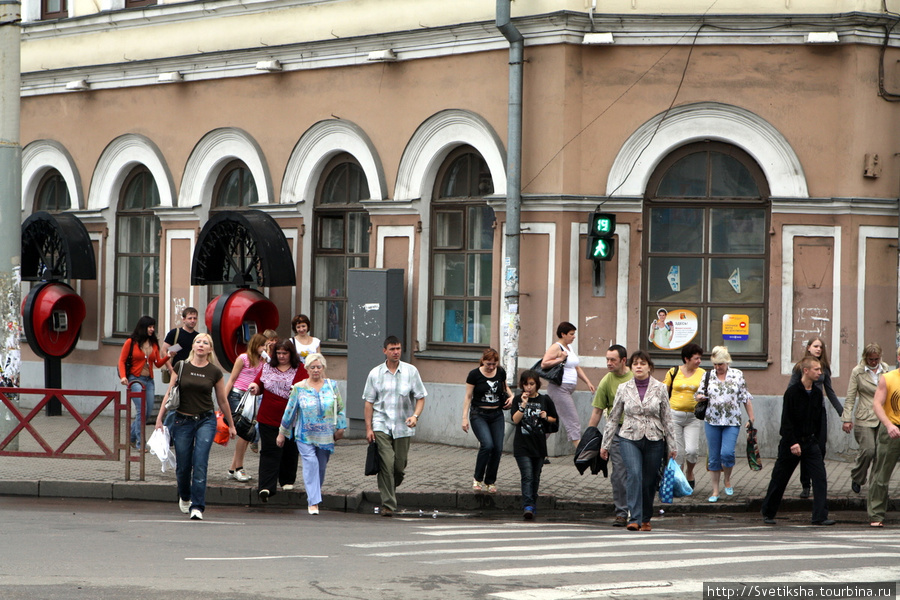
<point>726,392</point>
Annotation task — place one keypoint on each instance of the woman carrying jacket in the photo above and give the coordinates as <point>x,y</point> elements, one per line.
<point>863,382</point>
<point>645,435</point>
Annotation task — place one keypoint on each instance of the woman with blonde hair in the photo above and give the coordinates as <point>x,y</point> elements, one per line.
<point>195,421</point>
<point>726,391</point>
<point>864,424</point>
<point>246,368</point>
<point>315,417</point>
<point>816,348</point>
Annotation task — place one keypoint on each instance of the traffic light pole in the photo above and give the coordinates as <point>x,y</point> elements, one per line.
<point>10,203</point>
<point>510,322</point>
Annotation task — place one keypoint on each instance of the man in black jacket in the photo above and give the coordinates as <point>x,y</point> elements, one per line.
<point>801,416</point>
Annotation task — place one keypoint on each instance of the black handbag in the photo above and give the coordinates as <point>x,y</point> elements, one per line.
<point>554,374</point>
<point>373,465</point>
<point>702,405</point>
<point>244,425</point>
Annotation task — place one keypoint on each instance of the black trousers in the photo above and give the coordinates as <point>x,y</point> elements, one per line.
<point>823,438</point>
<point>811,458</point>
<point>276,465</point>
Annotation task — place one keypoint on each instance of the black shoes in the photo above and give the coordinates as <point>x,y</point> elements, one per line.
<point>804,493</point>
<point>826,522</point>
<point>855,487</point>
<point>769,521</point>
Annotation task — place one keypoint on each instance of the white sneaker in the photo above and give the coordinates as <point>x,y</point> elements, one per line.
<point>196,515</point>
<point>184,505</point>
<point>287,487</point>
<point>241,476</point>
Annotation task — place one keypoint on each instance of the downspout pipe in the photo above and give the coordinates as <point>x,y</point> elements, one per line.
<point>10,207</point>
<point>510,323</point>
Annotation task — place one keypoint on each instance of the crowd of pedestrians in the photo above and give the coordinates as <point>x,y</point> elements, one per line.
<point>300,414</point>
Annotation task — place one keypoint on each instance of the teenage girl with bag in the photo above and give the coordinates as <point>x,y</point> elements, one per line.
<point>246,368</point>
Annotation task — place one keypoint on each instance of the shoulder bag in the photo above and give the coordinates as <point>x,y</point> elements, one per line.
<point>174,400</point>
<point>702,405</point>
<point>554,374</point>
<point>244,417</point>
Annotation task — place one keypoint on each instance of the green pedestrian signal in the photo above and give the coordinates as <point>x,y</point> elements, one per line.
<point>601,228</point>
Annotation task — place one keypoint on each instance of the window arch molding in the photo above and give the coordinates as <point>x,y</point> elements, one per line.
<point>117,162</point>
<point>40,156</point>
<point>654,140</point>
<point>213,153</point>
<point>314,151</point>
<point>436,138</point>
<point>422,159</point>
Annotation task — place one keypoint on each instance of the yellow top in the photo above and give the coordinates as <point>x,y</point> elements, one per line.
<point>683,389</point>
<point>892,406</point>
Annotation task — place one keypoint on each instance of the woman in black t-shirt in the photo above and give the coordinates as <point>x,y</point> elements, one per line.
<point>486,394</point>
<point>534,416</point>
<point>194,426</point>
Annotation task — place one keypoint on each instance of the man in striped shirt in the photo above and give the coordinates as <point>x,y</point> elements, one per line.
<point>394,396</point>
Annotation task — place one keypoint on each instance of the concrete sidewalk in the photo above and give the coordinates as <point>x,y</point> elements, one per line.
<point>438,477</point>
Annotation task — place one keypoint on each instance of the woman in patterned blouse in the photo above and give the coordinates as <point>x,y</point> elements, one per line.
<point>276,465</point>
<point>726,392</point>
<point>315,417</point>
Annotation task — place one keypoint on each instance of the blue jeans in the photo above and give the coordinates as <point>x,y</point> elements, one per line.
<point>530,469</point>
<point>193,439</point>
<point>642,459</point>
<point>721,440</point>
<point>315,460</point>
<point>488,426</point>
<point>139,418</point>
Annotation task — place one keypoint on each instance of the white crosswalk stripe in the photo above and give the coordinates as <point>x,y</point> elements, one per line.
<point>512,553</point>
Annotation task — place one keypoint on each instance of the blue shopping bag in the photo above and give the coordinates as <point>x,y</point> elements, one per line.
<point>667,483</point>
<point>680,487</point>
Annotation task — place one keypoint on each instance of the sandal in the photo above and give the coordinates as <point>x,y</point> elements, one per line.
<point>476,485</point>
<point>876,524</point>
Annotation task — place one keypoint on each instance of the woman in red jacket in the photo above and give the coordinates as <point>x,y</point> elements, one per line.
<point>274,382</point>
<point>139,354</point>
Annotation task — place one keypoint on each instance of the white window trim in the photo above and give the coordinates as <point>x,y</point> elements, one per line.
<point>657,138</point>
<point>787,293</point>
<point>117,162</point>
<point>408,232</point>
<point>40,156</point>
<point>623,261</point>
<point>866,232</point>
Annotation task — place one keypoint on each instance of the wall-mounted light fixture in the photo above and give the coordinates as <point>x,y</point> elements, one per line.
<point>598,38</point>
<point>822,37</point>
<point>270,66</point>
<point>79,85</point>
<point>382,55</point>
<point>170,77</point>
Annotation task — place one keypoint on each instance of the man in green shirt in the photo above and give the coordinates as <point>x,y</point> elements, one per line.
<point>604,398</point>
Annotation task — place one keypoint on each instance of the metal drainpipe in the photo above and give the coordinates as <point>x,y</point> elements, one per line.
<point>10,207</point>
<point>510,324</point>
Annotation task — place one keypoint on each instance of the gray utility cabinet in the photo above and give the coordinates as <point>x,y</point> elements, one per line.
<point>375,302</point>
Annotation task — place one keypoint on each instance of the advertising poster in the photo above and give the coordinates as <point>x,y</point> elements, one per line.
<point>673,328</point>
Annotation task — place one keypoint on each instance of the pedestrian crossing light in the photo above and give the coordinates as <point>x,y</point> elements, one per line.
<point>601,228</point>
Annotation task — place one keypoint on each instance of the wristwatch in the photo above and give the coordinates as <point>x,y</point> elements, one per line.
<point>416,416</point>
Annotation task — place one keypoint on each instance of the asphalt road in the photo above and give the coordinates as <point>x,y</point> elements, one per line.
<point>59,549</point>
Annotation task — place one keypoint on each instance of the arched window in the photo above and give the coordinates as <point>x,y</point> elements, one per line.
<point>341,243</point>
<point>462,244</point>
<point>235,187</point>
<point>53,194</point>
<point>137,252</point>
<point>706,249</point>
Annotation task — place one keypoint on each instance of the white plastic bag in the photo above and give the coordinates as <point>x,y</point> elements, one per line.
<point>159,447</point>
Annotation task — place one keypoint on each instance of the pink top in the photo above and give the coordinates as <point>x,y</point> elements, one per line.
<point>248,374</point>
